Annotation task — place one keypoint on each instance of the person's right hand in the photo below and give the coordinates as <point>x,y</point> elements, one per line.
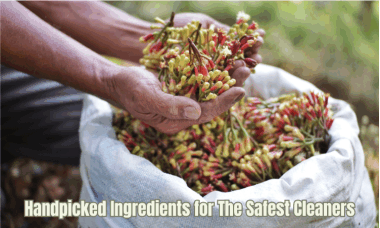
<point>139,92</point>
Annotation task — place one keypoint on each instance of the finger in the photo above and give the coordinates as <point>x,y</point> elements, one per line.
<point>220,25</point>
<point>255,48</point>
<point>222,103</point>
<point>261,32</point>
<point>257,57</point>
<point>240,75</point>
<point>254,56</point>
<point>210,109</point>
<point>238,63</point>
<point>259,42</point>
<point>175,107</point>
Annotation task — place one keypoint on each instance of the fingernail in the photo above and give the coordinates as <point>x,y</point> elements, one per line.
<point>239,98</point>
<point>191,113</point>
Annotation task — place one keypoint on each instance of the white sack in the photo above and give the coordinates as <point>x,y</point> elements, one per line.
<point>110,172</point>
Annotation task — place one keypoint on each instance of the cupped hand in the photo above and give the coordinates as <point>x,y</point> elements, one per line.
<point>139,92</point>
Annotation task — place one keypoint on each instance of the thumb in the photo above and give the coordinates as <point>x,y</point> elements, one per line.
<point>220,25</point>
<point>222,103</point>
<point>175,107</point>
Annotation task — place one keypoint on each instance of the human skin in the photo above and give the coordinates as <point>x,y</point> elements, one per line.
<point>64,47</point>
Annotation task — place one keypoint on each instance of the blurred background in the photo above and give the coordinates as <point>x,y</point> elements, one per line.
<point>334,45</point>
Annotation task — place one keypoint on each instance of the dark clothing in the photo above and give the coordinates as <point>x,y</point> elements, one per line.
<point>39,119</point>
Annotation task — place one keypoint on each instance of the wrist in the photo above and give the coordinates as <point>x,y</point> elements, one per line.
<point>108,84</point>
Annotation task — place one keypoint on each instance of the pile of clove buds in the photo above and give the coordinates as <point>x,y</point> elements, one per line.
<point>194,62</point>
<point>252,142</point>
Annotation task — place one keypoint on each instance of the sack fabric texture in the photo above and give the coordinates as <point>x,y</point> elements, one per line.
<point>110,172</point>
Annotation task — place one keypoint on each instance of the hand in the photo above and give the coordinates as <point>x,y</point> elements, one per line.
<point>139,92</point>
<point>182,19</point>
<point>252,51</point>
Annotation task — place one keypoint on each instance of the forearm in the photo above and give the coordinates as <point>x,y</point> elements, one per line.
<point>31,45</point>
<point>98,25</point>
